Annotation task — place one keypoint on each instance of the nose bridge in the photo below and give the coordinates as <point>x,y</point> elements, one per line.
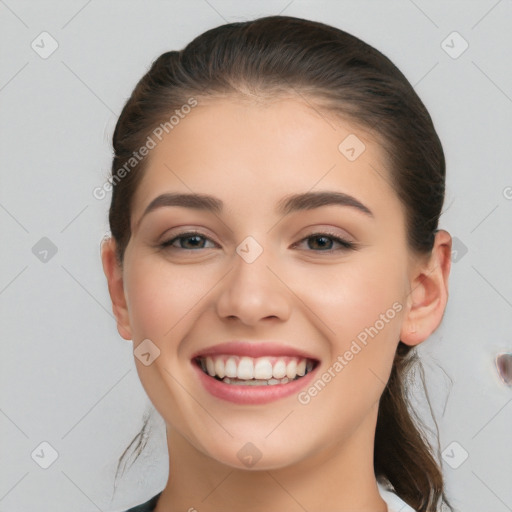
<point>252,291</point>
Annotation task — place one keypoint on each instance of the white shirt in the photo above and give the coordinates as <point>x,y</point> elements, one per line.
<point>394,503</point>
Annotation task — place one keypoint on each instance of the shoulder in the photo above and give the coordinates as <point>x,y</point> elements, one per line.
<point>393,502</point>
<point>148,506</point>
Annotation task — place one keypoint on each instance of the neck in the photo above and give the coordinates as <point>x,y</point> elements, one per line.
<point>339,477</point>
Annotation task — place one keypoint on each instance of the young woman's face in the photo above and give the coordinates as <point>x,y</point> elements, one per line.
<point>297,260</point>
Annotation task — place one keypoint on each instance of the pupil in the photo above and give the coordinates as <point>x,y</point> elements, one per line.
<point>322,241</point>
<point>193,244</point>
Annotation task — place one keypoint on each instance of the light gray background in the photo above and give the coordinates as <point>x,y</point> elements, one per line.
<point>68,379</point>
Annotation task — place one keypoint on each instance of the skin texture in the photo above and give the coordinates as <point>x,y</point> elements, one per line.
<point>317,456</point>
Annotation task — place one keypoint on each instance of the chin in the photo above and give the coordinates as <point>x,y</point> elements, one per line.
<point>252,456</point>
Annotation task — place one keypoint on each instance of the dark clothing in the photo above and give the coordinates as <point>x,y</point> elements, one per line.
<point>149,506</point>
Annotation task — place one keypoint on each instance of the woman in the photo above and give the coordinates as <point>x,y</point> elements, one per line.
<point>275,258</point>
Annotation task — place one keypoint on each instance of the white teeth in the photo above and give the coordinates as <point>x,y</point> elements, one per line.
<point>301,368</point>
<point>219,368</point>
<point>230,367</point>
<point>255,371</point>
<point>254,382</point>
<point>279,370</point>
<point>210,366</point>
<point>263,369</point>
<point>291,369</point>
<point>246,369</point>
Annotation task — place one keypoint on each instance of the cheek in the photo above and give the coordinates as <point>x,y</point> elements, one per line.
<point>353,296</point>
<point>360,307</point>
<point>160,296</point>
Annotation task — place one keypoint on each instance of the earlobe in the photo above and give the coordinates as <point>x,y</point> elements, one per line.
<point>426,301</point>
<point>114,275</point>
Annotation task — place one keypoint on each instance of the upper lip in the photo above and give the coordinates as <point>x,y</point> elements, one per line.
<point>253,349</point>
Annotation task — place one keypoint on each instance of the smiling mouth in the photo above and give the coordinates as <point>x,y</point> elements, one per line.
<point>260,371</point>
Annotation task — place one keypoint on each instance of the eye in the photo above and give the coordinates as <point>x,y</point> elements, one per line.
<point>325,242</point>
<point>188,241</point>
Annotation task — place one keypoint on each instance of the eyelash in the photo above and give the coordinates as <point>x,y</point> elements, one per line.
<point>345,244</point>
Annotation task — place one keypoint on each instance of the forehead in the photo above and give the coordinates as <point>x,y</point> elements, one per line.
<point>251,153</point>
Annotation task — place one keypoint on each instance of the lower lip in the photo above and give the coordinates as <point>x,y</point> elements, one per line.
<point>247,394</point>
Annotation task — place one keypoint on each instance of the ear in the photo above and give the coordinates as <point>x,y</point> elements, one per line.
<point>427,299</point>
<point>114,274</point>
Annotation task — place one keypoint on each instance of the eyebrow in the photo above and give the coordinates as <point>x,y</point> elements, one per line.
<point>287,205</point>
<point>311,200</point>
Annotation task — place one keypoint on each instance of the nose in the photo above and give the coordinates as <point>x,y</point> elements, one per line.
<point>253,292</point>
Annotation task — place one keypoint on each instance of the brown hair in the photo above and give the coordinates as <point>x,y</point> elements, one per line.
<point>347,78</point>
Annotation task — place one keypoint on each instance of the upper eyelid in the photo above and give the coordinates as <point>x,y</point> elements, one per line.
<point>185,234</point>
<point>329,232</point>
<point>169,235</point>
<point>347,244</point>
